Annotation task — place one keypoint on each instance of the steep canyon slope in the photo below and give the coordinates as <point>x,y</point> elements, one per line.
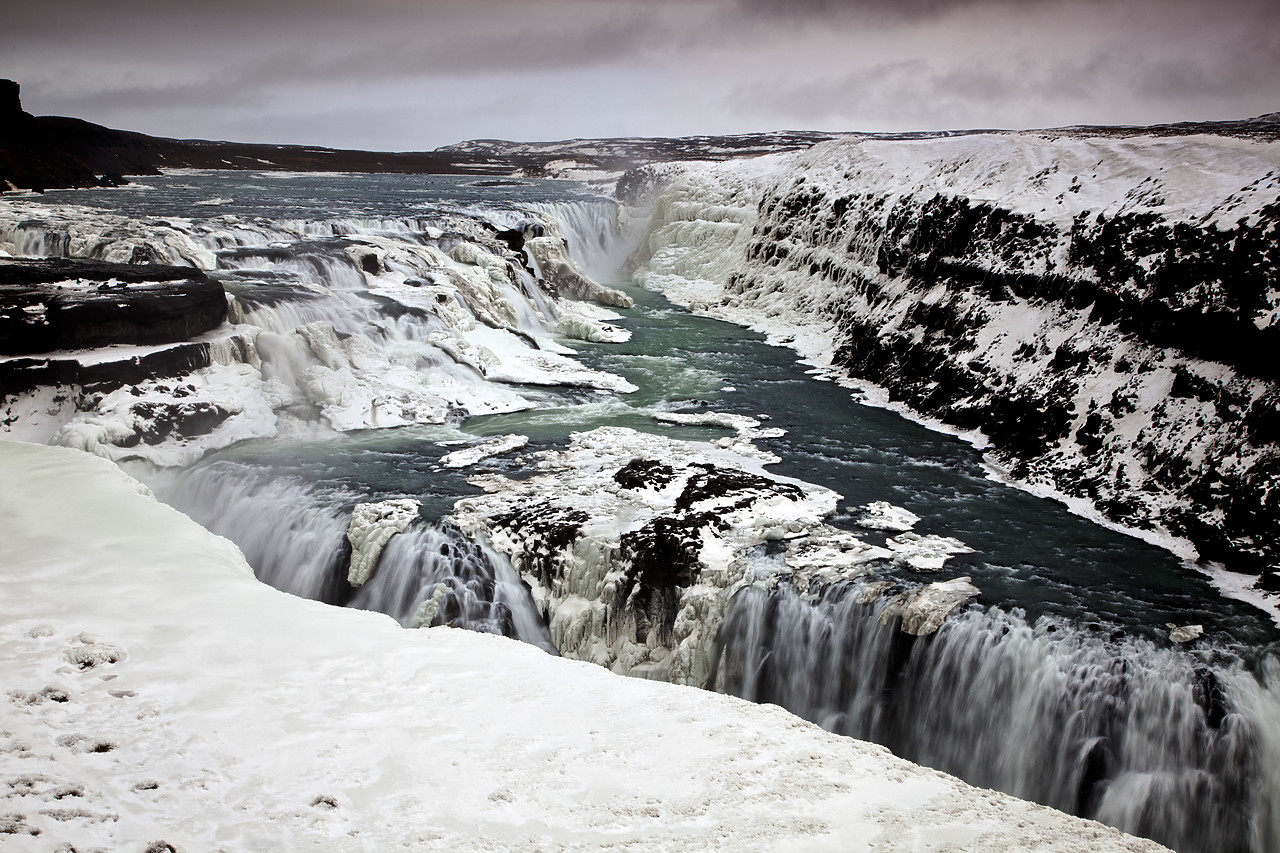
<point>1100,308</point>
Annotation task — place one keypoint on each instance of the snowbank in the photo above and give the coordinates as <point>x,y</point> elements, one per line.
<point>159,694</point>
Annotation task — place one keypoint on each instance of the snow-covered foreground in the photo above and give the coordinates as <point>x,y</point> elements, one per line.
<point>159,695</point>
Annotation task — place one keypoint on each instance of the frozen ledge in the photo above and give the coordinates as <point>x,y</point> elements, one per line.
<point>205,711</point>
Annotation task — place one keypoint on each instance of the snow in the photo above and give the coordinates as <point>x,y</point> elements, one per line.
<point>495,446</point>
<point>371,528</point>
<point>238,718</point>
<point>925,553</point>
<point>882,515</point>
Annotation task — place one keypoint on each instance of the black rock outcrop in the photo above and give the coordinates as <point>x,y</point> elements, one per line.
<point>58,304</point>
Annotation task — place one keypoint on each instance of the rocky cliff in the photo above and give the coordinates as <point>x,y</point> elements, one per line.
<point>1101,308</point>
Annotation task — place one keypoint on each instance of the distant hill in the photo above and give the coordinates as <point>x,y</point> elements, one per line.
<point>48,152</point>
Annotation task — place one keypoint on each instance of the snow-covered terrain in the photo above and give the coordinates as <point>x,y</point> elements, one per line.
<point>159,698</point>
<point>1103,311</point>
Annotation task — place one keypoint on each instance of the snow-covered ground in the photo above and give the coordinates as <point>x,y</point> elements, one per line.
<point>158,697</point>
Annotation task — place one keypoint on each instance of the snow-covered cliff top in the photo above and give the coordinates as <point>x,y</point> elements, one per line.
<point>160,695</point>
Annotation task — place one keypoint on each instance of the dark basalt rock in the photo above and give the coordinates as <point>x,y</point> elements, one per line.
<point>160,421</point>
<point>551,527</point>
<point>132,304</point>
<point>19,375</point>
<point>644,474</point>
<point>664,556</point>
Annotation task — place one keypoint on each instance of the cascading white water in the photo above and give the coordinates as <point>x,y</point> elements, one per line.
<point>1152,740</point>
<point>597,238</point>
<point>295,537</point>
<point>433,575</point>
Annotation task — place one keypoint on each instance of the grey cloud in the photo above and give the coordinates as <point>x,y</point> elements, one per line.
<point>341,70</point>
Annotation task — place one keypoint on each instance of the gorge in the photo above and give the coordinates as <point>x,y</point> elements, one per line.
<point>554,451</point>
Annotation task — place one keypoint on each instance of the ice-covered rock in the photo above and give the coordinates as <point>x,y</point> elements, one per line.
<point>925,553</point>
<point>882,515</point>
<point>371,528</point>
<point>923,610</point>
<point>1185,633</point>
<point>635,545</point>
<point>495,446</point>
<point>566,278</point>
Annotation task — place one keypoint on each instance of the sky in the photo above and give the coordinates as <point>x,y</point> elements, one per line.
<point>416,74</point>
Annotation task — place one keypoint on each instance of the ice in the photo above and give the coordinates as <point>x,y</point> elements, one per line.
<point>491,447</point>
<point>241,718</point>
<point>882,515</point>
<point>925,553</point>
<point>372,526</point>
<point>1185,633</point>
<point>924,609</point>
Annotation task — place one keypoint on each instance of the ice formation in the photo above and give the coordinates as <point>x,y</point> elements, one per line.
<point>636,545</point>
<point>882,515</point>
<point>372,526</point>
<point>486,449</point>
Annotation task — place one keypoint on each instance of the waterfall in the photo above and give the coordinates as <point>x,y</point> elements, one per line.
<point>598,240</point>
<point>1177,746</point>
<point>294,536</point>
<point>434,575</point>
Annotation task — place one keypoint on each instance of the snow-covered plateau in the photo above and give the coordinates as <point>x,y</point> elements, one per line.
<point>159,698</point>
<point>1100,311</point>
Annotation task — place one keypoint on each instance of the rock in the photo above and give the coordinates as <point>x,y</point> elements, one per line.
<point>882,515</point>
<point>10,100</point>
<point>57,304</point>
<point>495,446</point>
<point>635,547</point>
<point>924,609</point>
<point>1185,633</point>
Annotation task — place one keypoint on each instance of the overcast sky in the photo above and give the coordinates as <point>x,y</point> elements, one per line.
<point>406,75</point>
